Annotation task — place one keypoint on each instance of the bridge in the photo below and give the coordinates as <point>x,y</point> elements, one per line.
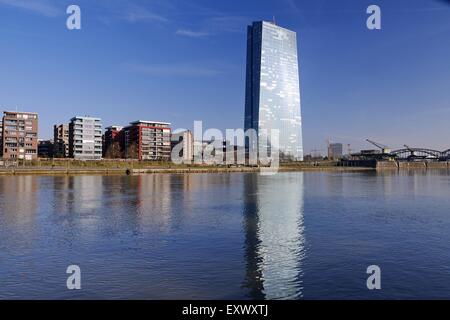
<point>411,154</point>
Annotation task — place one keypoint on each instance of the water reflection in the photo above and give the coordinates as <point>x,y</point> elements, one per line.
<point>225,236</point>
<point>274,235</point>
<point>18,198</point>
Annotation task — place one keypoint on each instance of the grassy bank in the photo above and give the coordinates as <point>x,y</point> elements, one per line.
<point>64,167</point>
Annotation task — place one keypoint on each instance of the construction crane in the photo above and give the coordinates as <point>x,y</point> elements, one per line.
<point>384,149</point>
<point>409,149</point>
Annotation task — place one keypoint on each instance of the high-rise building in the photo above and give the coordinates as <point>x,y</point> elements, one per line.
<point>335,151</point>
<point>61,141</point>
<point>148,140</point>
<point>85,138</point>
<point>20,135</point>
<point>272,99</point>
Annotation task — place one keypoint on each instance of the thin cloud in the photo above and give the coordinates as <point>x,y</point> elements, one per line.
<point>216,25</point>
<point>129,12</point>
<point>192,34</point>
<point>172,70</point>
<point>228,24</point>
<point>140,14</point>
<point>42,7</point>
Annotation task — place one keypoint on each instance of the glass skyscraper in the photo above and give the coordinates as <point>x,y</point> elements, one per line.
<point>272,99</point>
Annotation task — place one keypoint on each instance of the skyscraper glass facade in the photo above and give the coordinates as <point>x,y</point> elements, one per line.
<point>272,88</point>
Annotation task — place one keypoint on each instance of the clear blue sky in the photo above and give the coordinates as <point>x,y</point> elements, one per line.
<point>181,61</point>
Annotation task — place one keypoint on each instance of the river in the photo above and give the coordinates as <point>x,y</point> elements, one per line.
<point>293,235</point>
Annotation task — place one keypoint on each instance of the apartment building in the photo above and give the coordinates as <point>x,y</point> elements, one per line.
<point>61,141</point>
<point>20,135</point>
<point>85,138</point>
<point>147,140</point>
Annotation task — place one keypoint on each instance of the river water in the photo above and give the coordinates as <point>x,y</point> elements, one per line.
<point>226,236</point>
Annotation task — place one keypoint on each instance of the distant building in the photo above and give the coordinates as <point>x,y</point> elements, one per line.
<point>1,138</point>
<point>45,148</point>
<point>272,95</point>
<point>199,148</point>
<point>147,140</point>
<point>61,141</point>
<point>335,151</point>
<point>187,140</point>
<point>85,138</point>
<point>206,152</point>
<point>113,142</point>
<point>20,134</point>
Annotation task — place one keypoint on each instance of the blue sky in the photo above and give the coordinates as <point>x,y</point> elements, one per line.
<point>181,61</point>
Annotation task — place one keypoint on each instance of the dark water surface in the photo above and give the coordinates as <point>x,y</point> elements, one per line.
<point>226,236</point>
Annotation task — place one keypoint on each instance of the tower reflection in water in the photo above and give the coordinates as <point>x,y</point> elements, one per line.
<point>274,235</point>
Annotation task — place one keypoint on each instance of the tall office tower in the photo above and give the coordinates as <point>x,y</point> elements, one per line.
<point>147,140</point>
<point>61,141</point>
<point>272,98</point>
<point>85,138</point>
<point>20,135</point>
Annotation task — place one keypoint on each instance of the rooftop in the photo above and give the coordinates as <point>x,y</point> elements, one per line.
<point>21,112</point>
<point>150,122</point>
<point>114,128</point>
<point>85,117</point>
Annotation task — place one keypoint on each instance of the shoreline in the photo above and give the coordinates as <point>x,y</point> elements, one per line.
<point>184,170</point>
<point>166,170</point>
<point>139,168</point>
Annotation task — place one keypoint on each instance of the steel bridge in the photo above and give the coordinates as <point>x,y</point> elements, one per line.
<point>411,154</point>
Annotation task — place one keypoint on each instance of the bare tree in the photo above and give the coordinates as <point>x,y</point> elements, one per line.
<point>114,151</point>
<point>132,151</point>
